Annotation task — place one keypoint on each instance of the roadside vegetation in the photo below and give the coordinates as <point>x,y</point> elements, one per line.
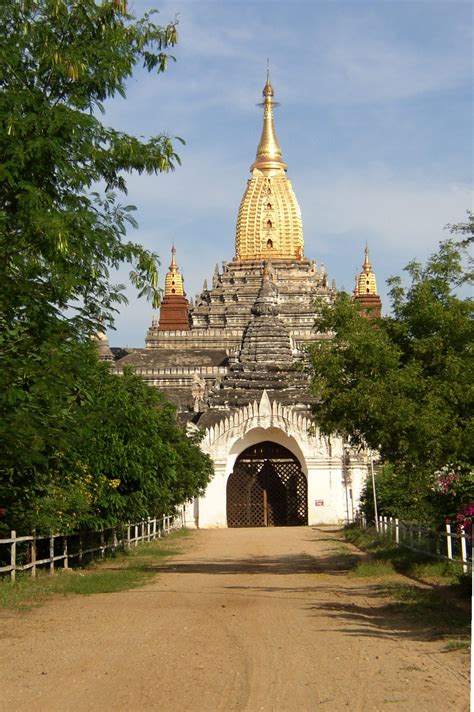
<point>118,572</point>
<point>81,448</point>
<point>402,386</point>
<point>438,596</point>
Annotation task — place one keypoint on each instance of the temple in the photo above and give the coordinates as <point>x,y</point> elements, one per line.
<point>365,291</point>
<point>174,311</point>
<point>233,362</point>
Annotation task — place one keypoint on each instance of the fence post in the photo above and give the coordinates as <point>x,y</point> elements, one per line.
<point>33,554</point>
<point>449,540</point>
<point>397,531</point>
<point>420,534</point>
<point>464,552</point>
<point>51,553</point>
<point>65,554</point>
<point>13,555</point>
<point>102,544</point>
<point>114,538</point>
<point>154,528</point>
<point>136,535</point>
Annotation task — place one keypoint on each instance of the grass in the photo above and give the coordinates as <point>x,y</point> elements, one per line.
<point>430,609</point>
<point>456,644</point>
<point>437,606</point>
<point>119,572</point>
<point>404,561</point>
<point>373,568</point>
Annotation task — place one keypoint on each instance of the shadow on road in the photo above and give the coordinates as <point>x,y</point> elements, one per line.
<point>426,617</point>
<point>289,564</point>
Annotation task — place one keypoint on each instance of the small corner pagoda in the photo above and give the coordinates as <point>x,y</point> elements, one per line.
<point>365,292</point>
<point>174,310</point>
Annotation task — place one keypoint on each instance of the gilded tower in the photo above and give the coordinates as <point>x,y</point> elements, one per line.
<point>174,311</point>
<point>365,291</point>
<point>269,222</point>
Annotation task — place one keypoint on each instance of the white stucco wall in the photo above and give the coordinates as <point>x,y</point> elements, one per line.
<point>331,477</point>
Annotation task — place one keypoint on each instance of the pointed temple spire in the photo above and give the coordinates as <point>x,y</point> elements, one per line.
<point>367,267</point>
<point>269,223</point>
<point>268,159</point>
<point>365,291</point>
<point>174,310</point>
<point>173,281</point>
<point>365,281</point>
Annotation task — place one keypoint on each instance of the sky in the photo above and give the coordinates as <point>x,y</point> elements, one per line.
<point>375,125</point>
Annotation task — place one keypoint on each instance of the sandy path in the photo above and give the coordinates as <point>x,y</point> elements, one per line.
<point>241,620</point>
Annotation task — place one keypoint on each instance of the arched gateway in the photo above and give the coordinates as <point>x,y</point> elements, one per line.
<point>267,488</point>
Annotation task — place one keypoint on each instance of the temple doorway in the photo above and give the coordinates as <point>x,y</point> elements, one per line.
<point>267,488</point>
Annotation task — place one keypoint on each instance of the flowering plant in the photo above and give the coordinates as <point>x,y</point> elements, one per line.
<point>453,491</point>
<point>445,479</point>
<point>464,520</point>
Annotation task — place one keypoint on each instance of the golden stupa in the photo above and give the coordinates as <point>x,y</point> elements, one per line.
<point>269,223</point>
<point>174,280</point>
<point>365,281</point>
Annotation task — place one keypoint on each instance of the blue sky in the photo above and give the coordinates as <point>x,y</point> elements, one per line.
<point>375,125</point>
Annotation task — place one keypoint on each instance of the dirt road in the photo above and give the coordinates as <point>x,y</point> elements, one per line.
<point>243,620</point>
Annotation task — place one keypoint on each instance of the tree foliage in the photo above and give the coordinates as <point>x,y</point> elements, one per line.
<point>402,384</point>
<point>87,448</point>
<point>81,447</point>
<point>59,236</point>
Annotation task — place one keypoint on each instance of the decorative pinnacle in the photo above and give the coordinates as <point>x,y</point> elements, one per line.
<point>268,159</point>
<point>366,282</point>
<point>367,267</point>
<point>173,267</point>
<point>173,279</point>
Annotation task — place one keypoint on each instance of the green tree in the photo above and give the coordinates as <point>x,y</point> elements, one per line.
<point>128,435</point>
<point>80,446</point>
<point>402,384</point>
<point>101,448</point>
<point>59,236</point>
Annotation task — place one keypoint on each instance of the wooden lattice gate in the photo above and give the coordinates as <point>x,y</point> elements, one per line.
<point>267,488</point>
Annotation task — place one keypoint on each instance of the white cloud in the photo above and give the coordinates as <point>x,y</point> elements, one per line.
<point>400,215</point>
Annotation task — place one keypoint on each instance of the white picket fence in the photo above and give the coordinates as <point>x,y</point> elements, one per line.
<point>449,545</point>
<point>27,553</point>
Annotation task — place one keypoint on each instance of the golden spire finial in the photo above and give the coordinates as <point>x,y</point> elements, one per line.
<point>173,266</point>
<point>268,160</point>
<point>269,221</point>
<point>365,281</point>
<point>367,267</point>
<point>173,281</point>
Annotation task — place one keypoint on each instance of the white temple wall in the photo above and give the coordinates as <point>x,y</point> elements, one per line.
<point>334,481</point>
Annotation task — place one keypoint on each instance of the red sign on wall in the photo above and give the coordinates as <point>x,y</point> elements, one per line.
<point>319,502</point>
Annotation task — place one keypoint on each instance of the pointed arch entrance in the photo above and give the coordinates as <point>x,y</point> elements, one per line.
<point>267,488</point>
